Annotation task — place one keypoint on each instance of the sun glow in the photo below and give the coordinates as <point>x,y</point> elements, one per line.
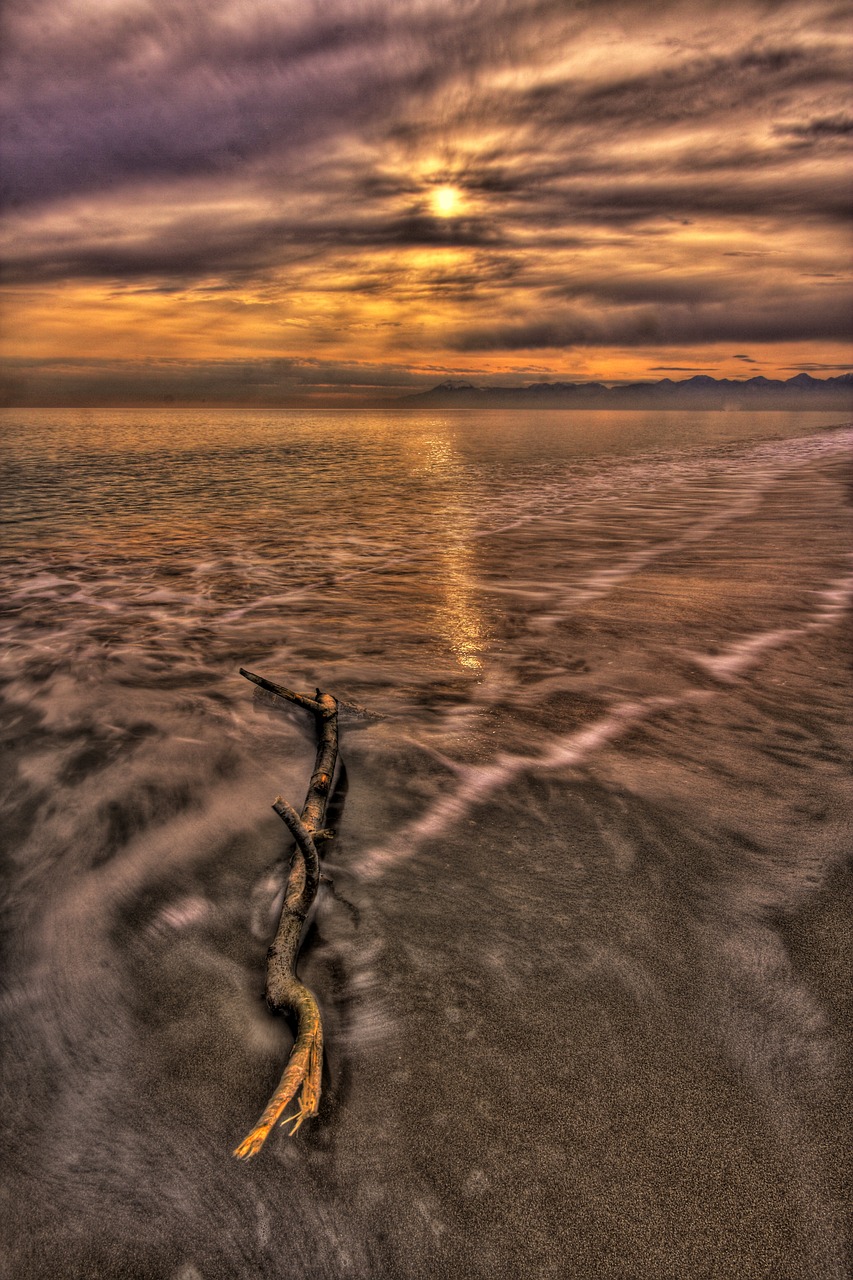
<point>445,201</point>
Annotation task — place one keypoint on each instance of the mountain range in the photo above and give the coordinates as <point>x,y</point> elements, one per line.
<point>700,392</point>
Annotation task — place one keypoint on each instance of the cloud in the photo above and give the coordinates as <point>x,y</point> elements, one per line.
<point>245,382</point>
<point>763,322</point>
<point>98,97</point>
<point>824,127</point>
<point>164,90</point>
<point>209,244</point>
<point>626,175</point>
<point>171,89</point>
<point>708,86</point>
<point>811,367</point>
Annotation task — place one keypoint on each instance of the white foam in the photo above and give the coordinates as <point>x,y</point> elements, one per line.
<point>179,915</point>
<point>744,653</point>
<point>833,601</point>
<point>479,782</point>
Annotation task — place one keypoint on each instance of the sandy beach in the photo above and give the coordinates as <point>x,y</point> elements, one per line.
<point>583,953</point>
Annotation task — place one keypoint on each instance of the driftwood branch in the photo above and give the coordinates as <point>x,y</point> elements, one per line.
<point>349,713</point>
<point>284,992</point>
<point>271,687</point>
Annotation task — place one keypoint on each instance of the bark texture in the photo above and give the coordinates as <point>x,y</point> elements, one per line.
<point>284,992</point>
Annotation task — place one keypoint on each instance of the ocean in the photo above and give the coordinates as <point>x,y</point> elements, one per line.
<point>583,943</point>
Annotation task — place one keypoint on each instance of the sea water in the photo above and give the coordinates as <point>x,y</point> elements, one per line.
<point>583,945</point>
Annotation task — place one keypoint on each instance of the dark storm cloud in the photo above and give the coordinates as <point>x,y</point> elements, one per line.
<point>210,244</point>
<point>267,382</point>
<point>670,326</point>
<point>667,290</point>
<point>175,144</point>
<point>170,89</point>
<point>629,198</point>
<point>203,246</point>
<point>676,94</point>
<point>639,289</point>
<point>834,127</point>
<point>97,98</point>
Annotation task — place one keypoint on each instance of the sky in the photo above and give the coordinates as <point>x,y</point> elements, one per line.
<point>334,202</point>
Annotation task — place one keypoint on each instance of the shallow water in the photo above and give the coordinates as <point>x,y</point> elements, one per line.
<point>584,956</point>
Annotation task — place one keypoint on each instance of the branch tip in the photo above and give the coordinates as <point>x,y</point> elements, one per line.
<point>281,691</point>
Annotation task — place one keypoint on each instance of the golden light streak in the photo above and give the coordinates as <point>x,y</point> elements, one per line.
<point>460,622</point>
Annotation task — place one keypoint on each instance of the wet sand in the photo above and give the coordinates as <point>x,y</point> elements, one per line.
<point>584,959</point>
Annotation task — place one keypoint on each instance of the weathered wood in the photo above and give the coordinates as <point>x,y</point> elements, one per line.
<point>350,713</point>
<point>299,698</point>
<point>284,992</point>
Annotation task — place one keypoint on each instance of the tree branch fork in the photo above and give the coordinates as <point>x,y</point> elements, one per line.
<point>300,1081</point>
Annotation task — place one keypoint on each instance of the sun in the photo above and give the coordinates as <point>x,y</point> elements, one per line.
<point>445,201</point>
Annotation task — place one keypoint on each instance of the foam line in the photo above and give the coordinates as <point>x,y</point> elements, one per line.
<point>479,782</point>
<point>835,600</point>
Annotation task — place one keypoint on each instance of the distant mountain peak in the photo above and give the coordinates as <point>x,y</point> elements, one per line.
<point>700,391</point>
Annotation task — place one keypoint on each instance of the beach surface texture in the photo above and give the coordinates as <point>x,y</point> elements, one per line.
<point>582,946</point>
